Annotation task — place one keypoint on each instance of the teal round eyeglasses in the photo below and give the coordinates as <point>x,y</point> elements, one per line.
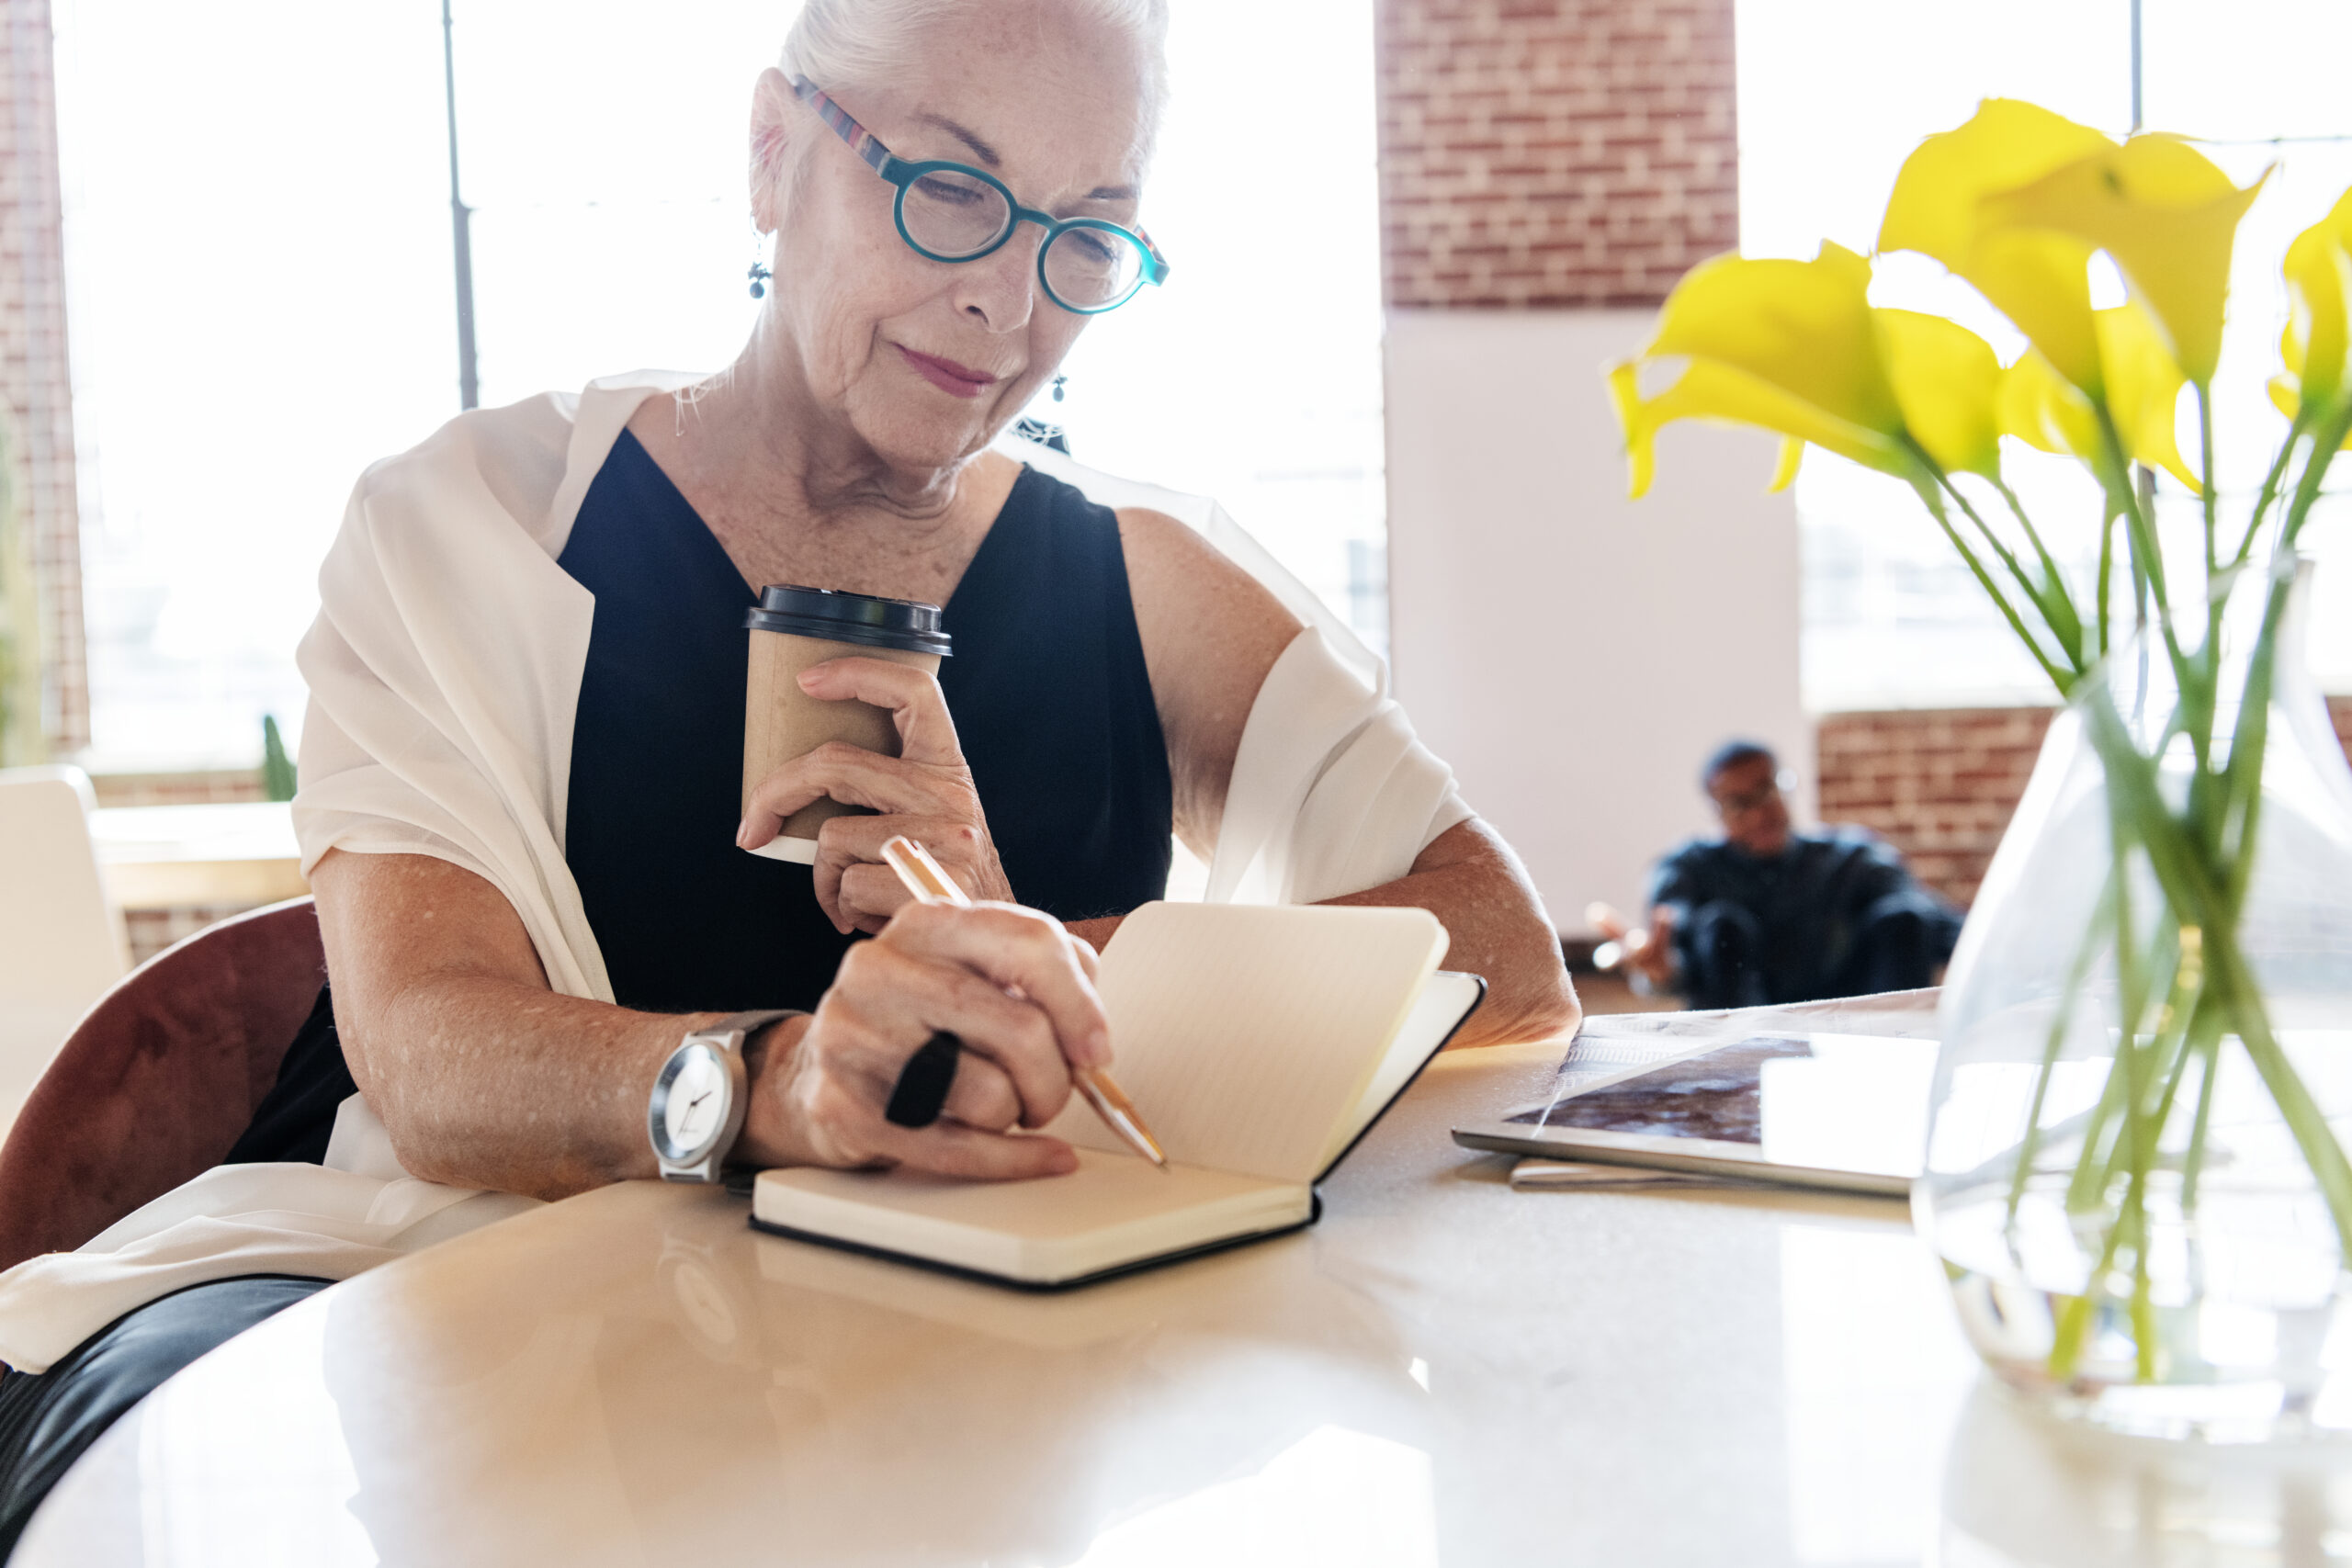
<point>954,212</point>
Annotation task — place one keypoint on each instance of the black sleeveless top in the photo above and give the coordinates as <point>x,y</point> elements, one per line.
<point>1046,685</point>
<point>1051,702</point>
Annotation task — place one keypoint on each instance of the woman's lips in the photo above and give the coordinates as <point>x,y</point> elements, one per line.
<point>946,375</point>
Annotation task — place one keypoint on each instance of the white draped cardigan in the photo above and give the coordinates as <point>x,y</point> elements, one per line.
<point>445,669</point>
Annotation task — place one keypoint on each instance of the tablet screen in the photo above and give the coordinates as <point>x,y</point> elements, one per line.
<point>1830,1102</point>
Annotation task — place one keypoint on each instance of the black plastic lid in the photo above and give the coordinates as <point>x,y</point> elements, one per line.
<point>861,618</point>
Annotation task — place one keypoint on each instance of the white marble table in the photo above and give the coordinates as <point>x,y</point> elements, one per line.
<point>1442,1370</point>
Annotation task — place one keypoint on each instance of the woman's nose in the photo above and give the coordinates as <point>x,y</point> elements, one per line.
<point>1002,289</point>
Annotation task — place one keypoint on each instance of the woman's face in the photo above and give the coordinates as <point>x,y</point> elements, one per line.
<point>928,360</point>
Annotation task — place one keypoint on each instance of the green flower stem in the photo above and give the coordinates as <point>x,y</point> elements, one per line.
<point>2074,1319</point>
<point>2105,580</point>
<point>2187,883</point>
<point>2205,1045</point>
<point>2304,1118</point>
<point>2239,809</point>
<point>2049,598</point>
<point>2143,1314</point>
<point>2206,490</point>
<point>2053,574</point>
<point>2086,953</point>
<point>2327,439</point>
<point>2150,580</point>
<point>2269,494</point>
<point>2141,531</point>
<point>2095,1168</point>
<point>1927,491</point>
<point>2145,1078</point>
<point>2173,1044</point>
<point>2102,1136</point>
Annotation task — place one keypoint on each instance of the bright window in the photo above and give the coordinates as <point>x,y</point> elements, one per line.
<point>260,288</point>
<point>1834,94</point>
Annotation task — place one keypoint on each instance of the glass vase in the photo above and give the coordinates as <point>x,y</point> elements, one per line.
<point>2135,1179</point>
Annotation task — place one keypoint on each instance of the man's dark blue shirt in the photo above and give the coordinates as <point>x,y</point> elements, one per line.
<point>1836,913</point>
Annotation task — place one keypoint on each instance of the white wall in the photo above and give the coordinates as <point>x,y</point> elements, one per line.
<point>1572,654</point>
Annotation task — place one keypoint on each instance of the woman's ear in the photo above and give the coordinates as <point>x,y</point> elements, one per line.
<point>773,123</point>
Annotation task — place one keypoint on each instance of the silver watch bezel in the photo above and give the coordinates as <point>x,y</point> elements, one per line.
<point>701,1163</point>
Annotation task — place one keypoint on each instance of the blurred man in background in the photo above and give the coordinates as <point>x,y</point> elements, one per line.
<point>1765,914</point>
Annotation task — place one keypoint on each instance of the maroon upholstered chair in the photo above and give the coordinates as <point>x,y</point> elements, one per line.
<point>159,1079</point>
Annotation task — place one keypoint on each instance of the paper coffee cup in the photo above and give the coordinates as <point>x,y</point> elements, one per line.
<point>792,628</point>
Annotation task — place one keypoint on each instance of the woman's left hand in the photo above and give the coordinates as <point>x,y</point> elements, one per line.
<point>925,792</point>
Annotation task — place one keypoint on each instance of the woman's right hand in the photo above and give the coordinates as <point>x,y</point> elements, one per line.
<point>1009,982</point>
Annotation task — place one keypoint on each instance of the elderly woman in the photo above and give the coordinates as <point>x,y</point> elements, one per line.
<point>521,772</point>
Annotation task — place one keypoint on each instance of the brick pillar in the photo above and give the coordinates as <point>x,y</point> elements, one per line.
<point>1547,152</point>
<point>1548,170</point>
<point>34,373</point>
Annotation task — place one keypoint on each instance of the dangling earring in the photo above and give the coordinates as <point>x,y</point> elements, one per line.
<point>759,274</point>
<point>1060,381</point>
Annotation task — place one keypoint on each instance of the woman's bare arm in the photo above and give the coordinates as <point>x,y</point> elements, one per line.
<point>1210,633</point>
<point>1470,879</point>
<point>485,1077</point>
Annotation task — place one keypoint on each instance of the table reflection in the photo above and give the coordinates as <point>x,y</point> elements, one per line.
<point>889,1415</point>
<point>2023,1490</point>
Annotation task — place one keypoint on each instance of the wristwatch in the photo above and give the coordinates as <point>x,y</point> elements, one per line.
<point>700,1095</point>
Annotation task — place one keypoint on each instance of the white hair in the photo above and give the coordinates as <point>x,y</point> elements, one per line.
<point>863,43</point>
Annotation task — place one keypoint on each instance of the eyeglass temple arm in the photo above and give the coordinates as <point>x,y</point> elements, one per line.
<point>1158,268</point>
<point>862,141</point>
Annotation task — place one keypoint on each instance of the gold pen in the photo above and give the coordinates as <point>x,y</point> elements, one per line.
<point>929,881</point>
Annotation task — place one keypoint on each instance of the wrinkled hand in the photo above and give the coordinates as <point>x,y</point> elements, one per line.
<point>1009,982</point>
<point>925,792</point>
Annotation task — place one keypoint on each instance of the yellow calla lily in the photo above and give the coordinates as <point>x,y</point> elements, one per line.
<point>2143,385</point>
<point>2288,398</point>
<point>2166,214</point>
<point>2319,280</point>
<point>1945,379</point>
<point>2044,410</point>
<point>2041,281</point>
<point>1787,345</point>
<point>2285,396</point>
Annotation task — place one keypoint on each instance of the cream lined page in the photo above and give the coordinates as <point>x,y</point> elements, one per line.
<point>1245,1033</point>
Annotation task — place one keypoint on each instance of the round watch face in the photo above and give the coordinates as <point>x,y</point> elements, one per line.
<point>694,1101</point>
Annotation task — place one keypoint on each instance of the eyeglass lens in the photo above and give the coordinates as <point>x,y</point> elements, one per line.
<point>955,216</point>
<point>1091,267</point>
<point>1732,805</point>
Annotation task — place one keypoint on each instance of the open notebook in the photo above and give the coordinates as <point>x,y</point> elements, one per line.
<point>1260,1041</point>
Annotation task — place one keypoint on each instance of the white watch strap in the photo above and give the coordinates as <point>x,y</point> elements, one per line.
<point>745,1025</point>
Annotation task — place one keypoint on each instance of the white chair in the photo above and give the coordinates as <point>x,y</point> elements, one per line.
<point>61,940</point>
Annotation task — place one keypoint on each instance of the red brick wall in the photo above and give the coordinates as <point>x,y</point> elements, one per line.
<point>33,368</point>
<point>1578,152</point>
<point>1940,785</point>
